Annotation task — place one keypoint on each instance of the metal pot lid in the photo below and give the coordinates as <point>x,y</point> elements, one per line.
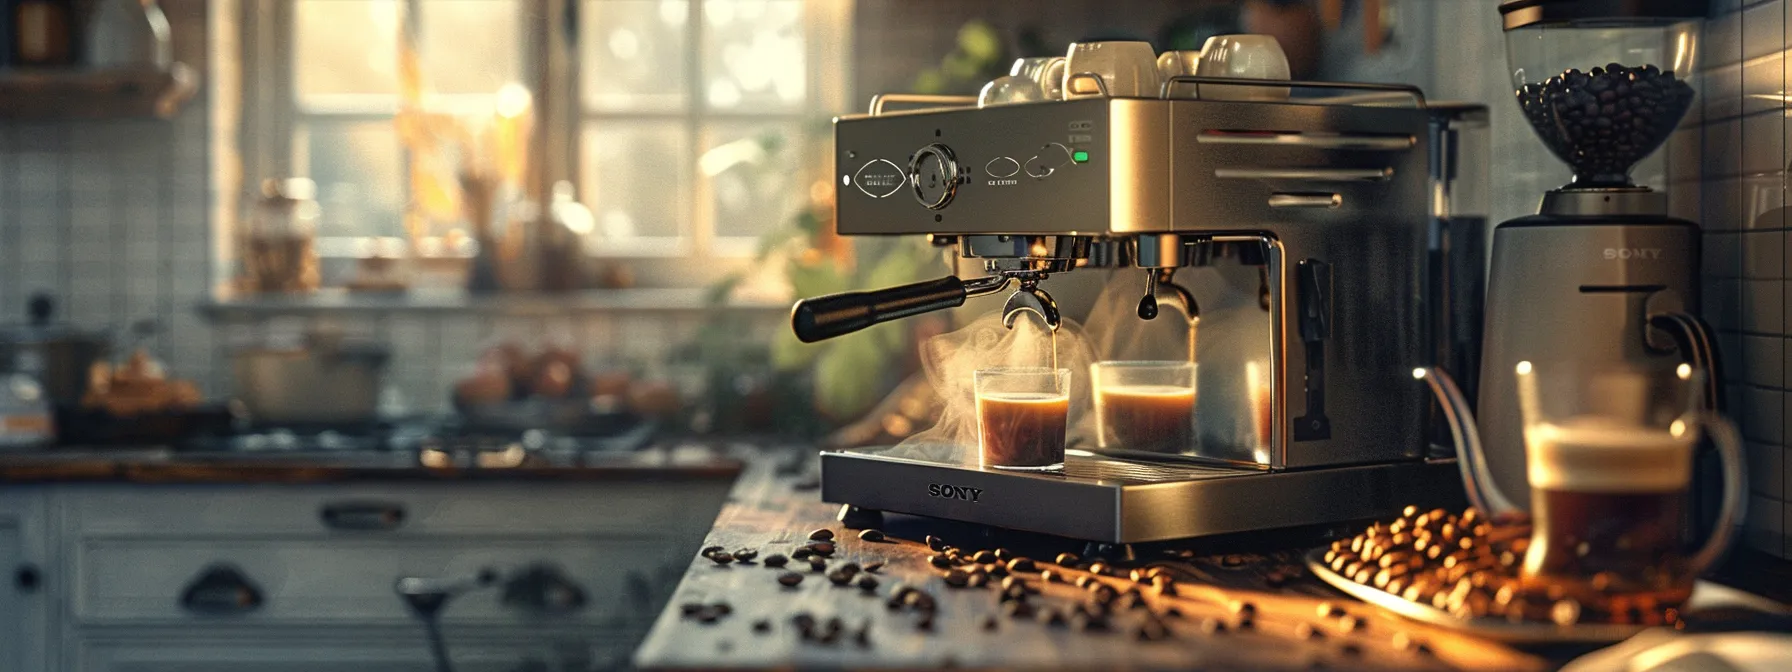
<point>41,327</point>
<point>1522,13</point>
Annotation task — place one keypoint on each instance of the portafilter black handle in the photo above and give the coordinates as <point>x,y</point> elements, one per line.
<point>825,317</point>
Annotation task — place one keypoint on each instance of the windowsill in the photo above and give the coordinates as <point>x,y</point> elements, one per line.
<point>526,304</point>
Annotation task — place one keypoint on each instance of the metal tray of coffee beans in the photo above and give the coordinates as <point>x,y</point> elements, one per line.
<point>1459,571</point>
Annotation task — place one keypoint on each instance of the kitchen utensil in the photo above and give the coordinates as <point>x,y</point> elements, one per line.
<point>1047,72</point>
<point>57,356</point>
<point>1117,69</point>
<point>128,35</point>
<point>280,252</point>
<point>1009,89</point>
<point>25,416</point>
<point>1244,57</point>
<point>326,380</point>
<point>1601,275</point>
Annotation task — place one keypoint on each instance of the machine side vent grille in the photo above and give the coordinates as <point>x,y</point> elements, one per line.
<point>1369,141</point>
<point>1108,469</point>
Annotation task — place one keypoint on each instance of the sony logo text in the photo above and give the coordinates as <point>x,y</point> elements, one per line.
<point>1612,253</point>
<point>943,491</point>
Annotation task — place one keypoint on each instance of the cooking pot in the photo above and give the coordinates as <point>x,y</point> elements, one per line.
<point>326,380</point>
<point>58,356</point>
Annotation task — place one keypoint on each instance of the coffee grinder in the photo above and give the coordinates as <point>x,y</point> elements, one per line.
<point>1601,275</point>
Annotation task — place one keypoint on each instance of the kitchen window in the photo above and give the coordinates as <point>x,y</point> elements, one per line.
<point>688,127</point>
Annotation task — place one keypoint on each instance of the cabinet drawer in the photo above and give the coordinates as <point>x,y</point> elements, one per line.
<point>352,580</point>
<point>288,656</point>
<point>408,509</point>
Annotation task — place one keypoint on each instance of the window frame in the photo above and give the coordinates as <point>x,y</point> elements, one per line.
<point>273,114</point>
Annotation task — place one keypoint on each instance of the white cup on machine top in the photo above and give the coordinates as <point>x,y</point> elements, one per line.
<point>1046,71</point>
<point>1009,89</point>
<point>1125,69</point>
<point>1243,57</point>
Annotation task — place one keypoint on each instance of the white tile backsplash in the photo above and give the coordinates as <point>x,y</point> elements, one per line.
<point>1767,470</point>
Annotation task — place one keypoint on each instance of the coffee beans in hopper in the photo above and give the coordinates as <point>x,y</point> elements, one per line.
<point>1604,121</point>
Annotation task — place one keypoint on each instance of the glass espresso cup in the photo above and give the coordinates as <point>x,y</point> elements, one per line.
<point>1609,458</point>
<point>1146,406</point>
<point>1022,414</point>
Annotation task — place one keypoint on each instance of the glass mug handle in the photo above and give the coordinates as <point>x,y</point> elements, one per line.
<point>1735,504</point>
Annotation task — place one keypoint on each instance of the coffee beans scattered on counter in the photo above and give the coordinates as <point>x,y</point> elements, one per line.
<point>745,555</point>
<point>939,561</point>
<point>710,549</point>
<point>935,544</point>
<point>801,553</point>
<point>775,561</point>
<point>762,626</point>
<point>1604,121</point>
<point>874,565</point>
<point>871,535</point>
<point>818,564</point>
<point>790,579</point>
<point>990,623</point>
<point>1021,565</point>
<point>720,558</point>
<point>705,613</point>
<point>867,583</point>
<point>823,534</point>
<point>1067,559</point>
<point>983,557</point>
<point>823,548</point>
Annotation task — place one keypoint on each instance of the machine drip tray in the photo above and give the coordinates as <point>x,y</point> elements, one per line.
<point>1114,500</point>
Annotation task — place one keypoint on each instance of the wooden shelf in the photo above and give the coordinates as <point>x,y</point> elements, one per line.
<point>531,304</point>
<point>86,93</point>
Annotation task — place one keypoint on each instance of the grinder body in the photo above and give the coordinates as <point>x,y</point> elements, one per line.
<point>1577,290</point>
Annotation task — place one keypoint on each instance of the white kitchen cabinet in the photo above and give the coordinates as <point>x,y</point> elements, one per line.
<point>25,642</point>
<point>117,563</point>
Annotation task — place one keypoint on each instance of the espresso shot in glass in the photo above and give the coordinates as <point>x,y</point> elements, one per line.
<point>1147,406</point>
<point>1022,414</point>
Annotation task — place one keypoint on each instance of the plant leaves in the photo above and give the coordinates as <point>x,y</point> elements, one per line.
<point>848,377</point>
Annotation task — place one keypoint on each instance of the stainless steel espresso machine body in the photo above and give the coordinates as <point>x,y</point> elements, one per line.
<point>1323,193</point>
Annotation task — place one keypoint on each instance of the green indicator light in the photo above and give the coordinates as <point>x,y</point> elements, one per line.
<point>1079,156</point>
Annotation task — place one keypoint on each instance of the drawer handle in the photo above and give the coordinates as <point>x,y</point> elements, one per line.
<point>543,589</point>
<point>221,590</point>
<point>363,516</point>
<point>27,578</point>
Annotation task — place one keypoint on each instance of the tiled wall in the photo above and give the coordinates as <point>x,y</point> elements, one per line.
<point>114,218</point>
<point>1742,181</point>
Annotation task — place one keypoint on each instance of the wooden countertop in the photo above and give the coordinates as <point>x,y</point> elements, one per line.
<point>160,465</point>
<point>774,512</point>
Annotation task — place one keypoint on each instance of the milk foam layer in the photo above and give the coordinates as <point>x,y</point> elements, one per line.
<point>1587,455</point>
<point>1025,397</point>
<point>1167,391</point>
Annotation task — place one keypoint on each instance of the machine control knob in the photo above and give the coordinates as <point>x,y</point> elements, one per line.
<point>934,174</point>
<point>879,178</point>
<point>1050,158</point>
<point>1001,166</point>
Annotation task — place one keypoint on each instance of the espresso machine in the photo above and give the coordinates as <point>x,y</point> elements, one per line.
<point>1311,196</point>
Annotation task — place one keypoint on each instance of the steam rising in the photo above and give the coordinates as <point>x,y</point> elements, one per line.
<point>1232,351</point>
<point>950,360</point>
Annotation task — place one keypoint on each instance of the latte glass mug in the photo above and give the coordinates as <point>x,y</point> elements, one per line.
<point>1145,406</point>
<point>1609,454</point>
<point>1022,416</point>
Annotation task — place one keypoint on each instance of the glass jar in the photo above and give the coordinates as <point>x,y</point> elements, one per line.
<point>280,251</point>
<point>1602,84</point>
